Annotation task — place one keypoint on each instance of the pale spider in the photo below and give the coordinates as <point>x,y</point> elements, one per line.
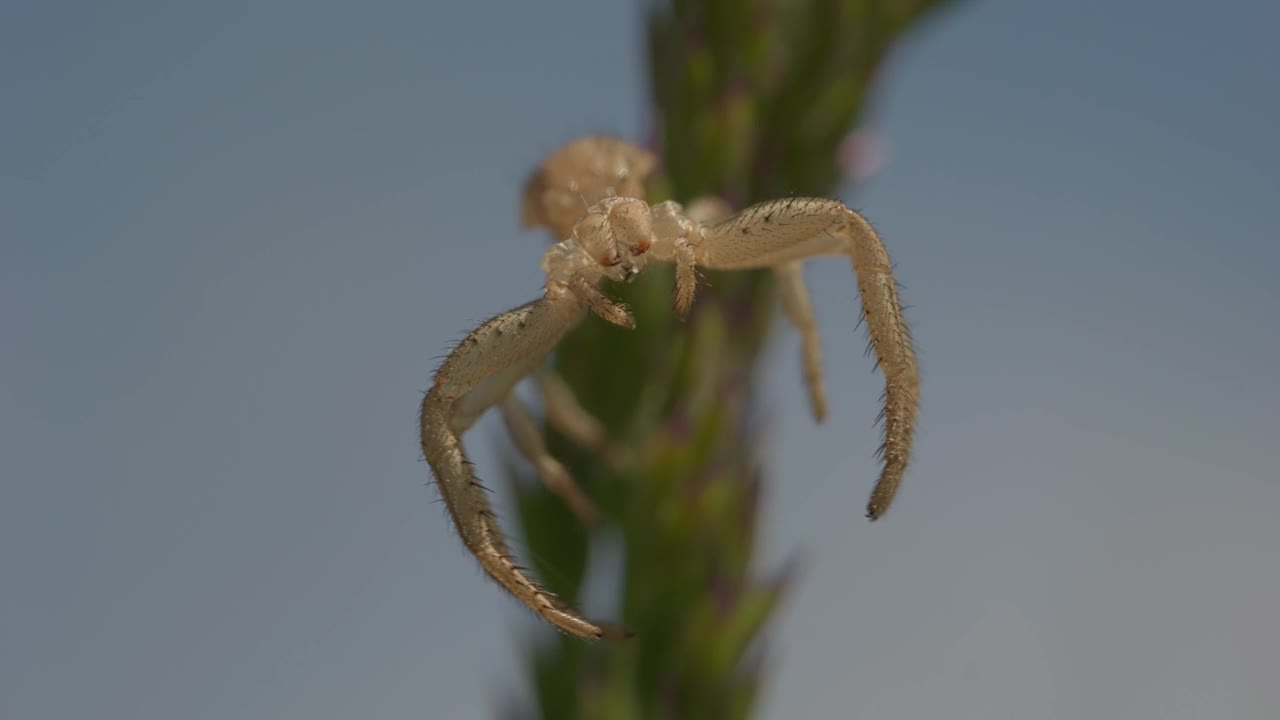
<point>589,194</point>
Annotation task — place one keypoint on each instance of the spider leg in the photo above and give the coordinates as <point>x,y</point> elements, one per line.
<point>567,415</point>
<point>528,439</point>
<point>773,233</point>
<point>484,395</point>
<point>490,360</point>
<point>799,310</point>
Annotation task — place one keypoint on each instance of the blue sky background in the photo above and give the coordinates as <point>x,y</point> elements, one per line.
<point>233,235</point>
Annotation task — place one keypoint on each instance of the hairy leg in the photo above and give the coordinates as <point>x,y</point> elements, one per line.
<point>508,346</point>
<point>782,231</point>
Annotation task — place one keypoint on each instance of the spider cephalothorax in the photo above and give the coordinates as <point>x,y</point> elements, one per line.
<point>612,233</point>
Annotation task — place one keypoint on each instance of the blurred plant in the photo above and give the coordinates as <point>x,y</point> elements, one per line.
<point>755,99</point>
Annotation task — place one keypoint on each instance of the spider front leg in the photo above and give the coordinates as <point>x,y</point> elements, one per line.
<point>479,372</point>
<point>775,233</point>
<point>525,434</point>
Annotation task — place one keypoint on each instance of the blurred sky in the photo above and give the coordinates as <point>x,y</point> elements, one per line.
<point>234,235</point>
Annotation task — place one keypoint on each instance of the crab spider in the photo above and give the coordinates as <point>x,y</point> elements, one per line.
<point>596,167</point>
<point>615,240</point>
